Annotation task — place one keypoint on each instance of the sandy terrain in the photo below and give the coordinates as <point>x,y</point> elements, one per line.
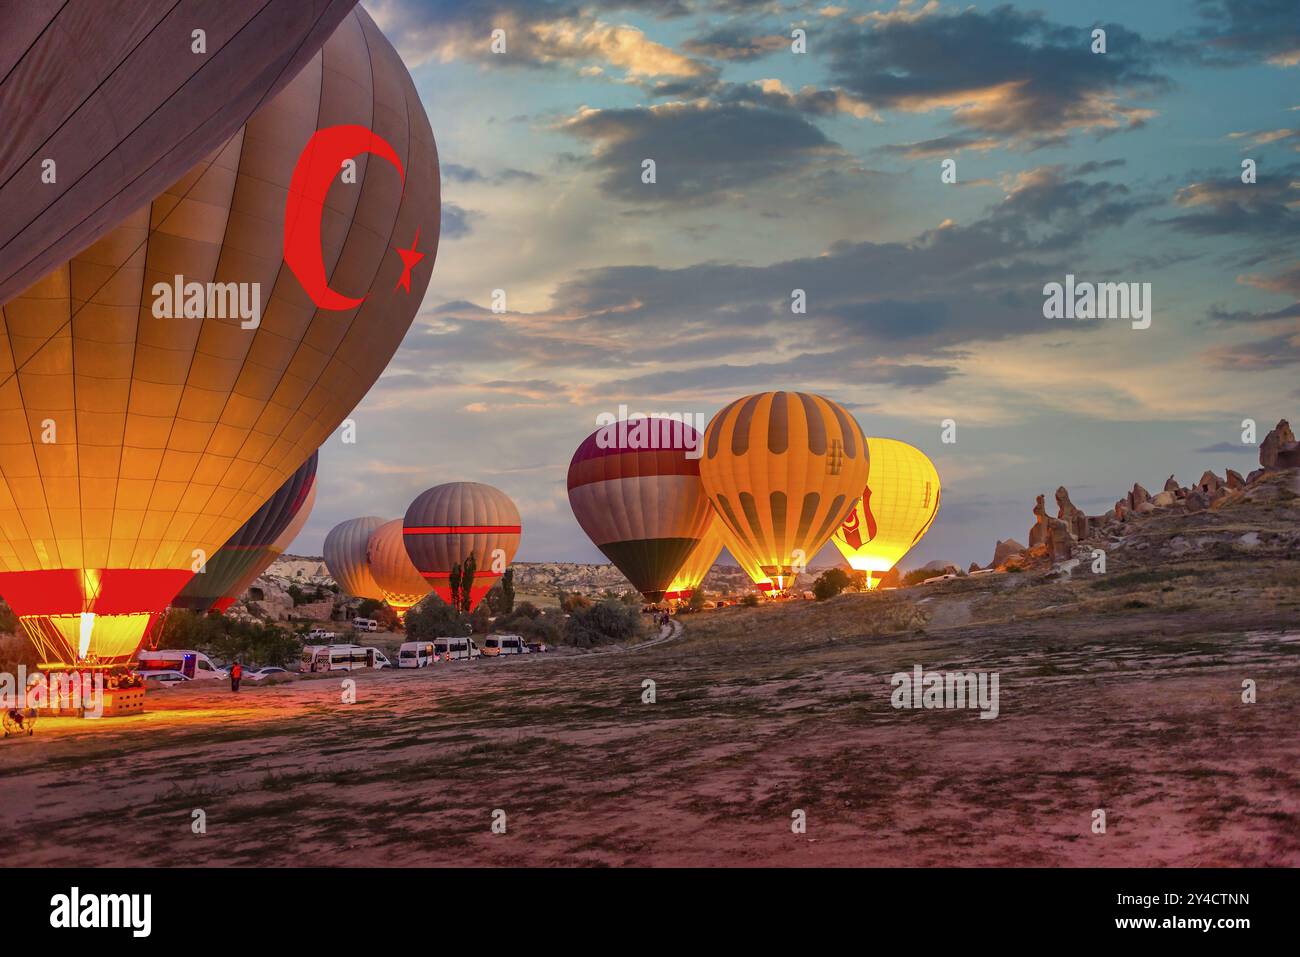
<point>1122,698</point>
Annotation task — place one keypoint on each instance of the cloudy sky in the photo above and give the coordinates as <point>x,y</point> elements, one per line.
<point>820,171</point>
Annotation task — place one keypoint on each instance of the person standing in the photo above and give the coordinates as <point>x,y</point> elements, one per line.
<point>236,672</point>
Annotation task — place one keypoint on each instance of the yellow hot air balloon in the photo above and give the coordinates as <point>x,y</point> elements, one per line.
<point>698,562</point>
<point>783,470</point>
<point>899,502</point>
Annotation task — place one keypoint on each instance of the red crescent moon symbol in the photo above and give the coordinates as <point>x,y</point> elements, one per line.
<point>317,166</point>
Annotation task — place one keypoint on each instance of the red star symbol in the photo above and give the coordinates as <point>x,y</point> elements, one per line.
<point>409,258</point>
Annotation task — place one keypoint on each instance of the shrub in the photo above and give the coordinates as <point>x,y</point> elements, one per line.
<point>434,618</point>
<point>603,623</point>
<point>830,583</point>
<point>533,624</point>
<point>750,600</point>
<point>226,639</point>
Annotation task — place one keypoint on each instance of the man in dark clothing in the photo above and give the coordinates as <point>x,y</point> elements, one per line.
<point>236,672</point>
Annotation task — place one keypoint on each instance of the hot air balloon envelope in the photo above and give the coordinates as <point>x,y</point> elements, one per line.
<point>899,503</point>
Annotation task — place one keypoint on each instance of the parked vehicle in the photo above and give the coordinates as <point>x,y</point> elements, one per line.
<point>191,664</point>
<point>261,673</point>
<point>416,654</point>
<point>496,645</point>
<point>536,647</point>
<point>320,635</point>
<point>365,624</point>
<point>455,649</point>
<point>341,658</point>
<point>939,578</point>
<point>166,675</point>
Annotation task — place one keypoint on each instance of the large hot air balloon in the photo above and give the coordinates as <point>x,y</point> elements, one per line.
<point>131,442</point>
<point>448,523</point>
<point>782,470</point>
<point>250,546</point>
<point>643,507</point>
<point>104,105</point>
<point>345,556</point>
<point>400,582</point>
<point>898,506</point>
<point>697,565</point>
<point>268,555</point>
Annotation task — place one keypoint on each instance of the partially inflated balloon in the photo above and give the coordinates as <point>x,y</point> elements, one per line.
<point>898,506</point>
<point>399,581</point>
<point>345,556</point>
<point>250,546</point>
<point>643,506</point>
<point>269,555</point>
<point>161,385</point>
<point>447,524</point>
<point>696,566</point>
<point>782,470</point>
<point>762,582</point>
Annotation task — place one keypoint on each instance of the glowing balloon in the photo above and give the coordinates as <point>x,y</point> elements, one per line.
<point>697,565</point>
<point>448,523</point>
<point>345,556</point>
<point>250,546</point>
<point>898,506</point>
<point>782,470</point>
<point>644,507</point>
<point>399,581</point>
<point>751,565</point>
<point>160,386</point>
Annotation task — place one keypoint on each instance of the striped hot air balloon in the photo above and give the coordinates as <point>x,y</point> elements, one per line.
<point>697,565</point>
<point>345,556</point>
<point>783,470</point>
<point>447,524</point>
<point>250,546</point>
<point>400,582</point>
<point>899,503</point>
<point>276,549</point>
<point>644,507</point>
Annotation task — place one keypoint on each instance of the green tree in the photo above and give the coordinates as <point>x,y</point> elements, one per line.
<point>508,591</point>
<point>830,583</point>
<point>434,618</point>
<point>603,623</point>
<point>467,583</point>
<point>454,578</point>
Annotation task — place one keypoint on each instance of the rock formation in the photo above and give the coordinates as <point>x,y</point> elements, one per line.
<point>1279,450</point>
<point>1235,481</point>
<point>1005,550</point>
<point>1171,484</point>
<point>1209,482</point>
<point>1074,519</point>
<point>1138,496</point>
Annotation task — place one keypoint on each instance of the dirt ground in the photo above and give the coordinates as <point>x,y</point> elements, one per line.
<point>1124,696</point>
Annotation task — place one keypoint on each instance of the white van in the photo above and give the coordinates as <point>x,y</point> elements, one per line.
<point>495,645</point>
<point>416,654</point>
<point>365,624</point>
<point>192,664</point>
<point>455,649</point>
<point>320,634</point>
<point>341,658</point>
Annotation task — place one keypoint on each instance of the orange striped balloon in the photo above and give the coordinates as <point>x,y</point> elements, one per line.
<point>783,470</point>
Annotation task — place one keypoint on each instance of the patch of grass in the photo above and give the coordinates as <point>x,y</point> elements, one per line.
<point>1130,580</point>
